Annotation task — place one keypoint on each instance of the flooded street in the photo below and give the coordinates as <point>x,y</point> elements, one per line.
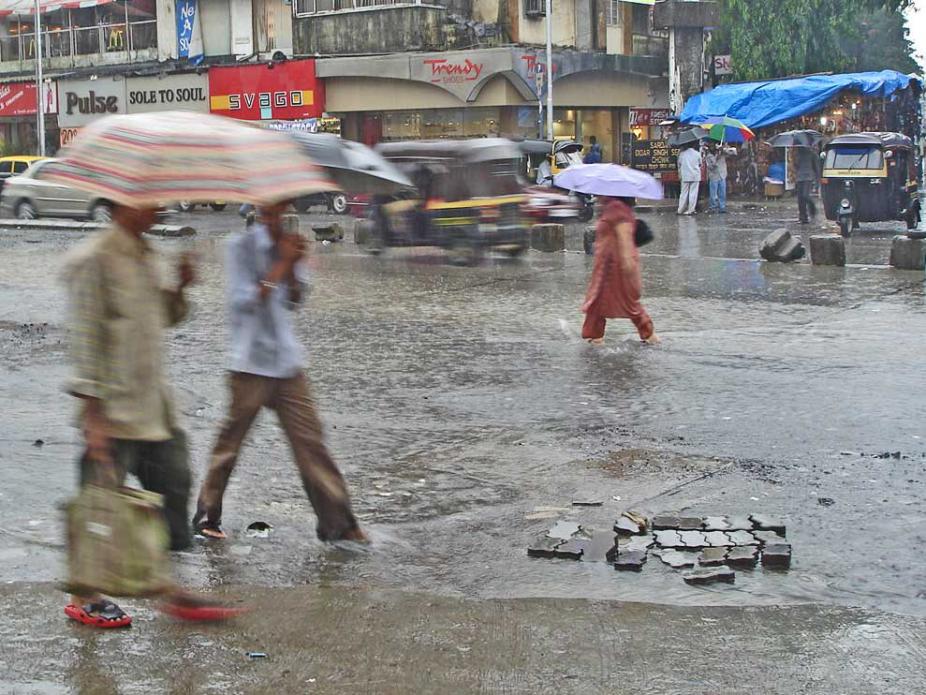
<point>463,407</point>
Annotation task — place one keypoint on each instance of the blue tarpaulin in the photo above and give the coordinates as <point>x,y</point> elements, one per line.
<point>759,104</point>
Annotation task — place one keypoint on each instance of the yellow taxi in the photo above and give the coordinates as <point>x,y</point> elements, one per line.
<point>16,165</point>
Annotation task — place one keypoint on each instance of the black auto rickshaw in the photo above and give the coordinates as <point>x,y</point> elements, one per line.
<point>469,197</point>
<point>870,177</point>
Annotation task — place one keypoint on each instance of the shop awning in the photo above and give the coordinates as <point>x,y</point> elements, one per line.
<point>27,7</point>
<point>760,104</point>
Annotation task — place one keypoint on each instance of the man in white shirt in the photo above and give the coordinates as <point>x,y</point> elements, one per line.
<point>689,167</point>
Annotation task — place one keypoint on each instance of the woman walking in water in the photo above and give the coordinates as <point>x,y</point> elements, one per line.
<point>615,285</point>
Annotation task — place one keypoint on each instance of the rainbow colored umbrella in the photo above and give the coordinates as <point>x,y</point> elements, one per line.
<point>726,129</point>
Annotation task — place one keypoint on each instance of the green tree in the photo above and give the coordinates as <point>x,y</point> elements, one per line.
<point>884,43</point>
<point>790,37</point>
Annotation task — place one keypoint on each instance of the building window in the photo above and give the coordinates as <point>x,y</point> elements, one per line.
<point>305,8</point>
<point>614,13</point>
<point>641,15</point>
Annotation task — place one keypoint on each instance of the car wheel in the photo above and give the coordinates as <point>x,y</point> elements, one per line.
<point>218,207</point>
<point>101,212</point>
<point>338,203</point>
<point>26,211</point>
<point>185,205</point>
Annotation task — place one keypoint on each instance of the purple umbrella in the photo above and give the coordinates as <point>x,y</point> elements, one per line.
<point>609,180</point>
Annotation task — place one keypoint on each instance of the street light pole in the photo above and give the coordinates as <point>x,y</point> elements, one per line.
<point>549,69</point>
<point>39,91</point>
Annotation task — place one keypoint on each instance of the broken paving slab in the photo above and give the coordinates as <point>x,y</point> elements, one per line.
<point>587,503</point>
<point>544,547</point>
<point>602,547</point>
<point>572,549</point>
<point>777,556</point>
<point>632,561</point>
<point>716,523</point>
<point>629,526</point>
<point>564,530</point>
<point>717,539</point>
<point>669,539</point>
<point>692,539</point>
<point>739,538</point>
<point>678,523</point>
<point>743,557</point>
<point>712,557</point>
<point>769,537</point>
<point>740,523</point>
<point>710,576</point>
<point>768,523</point>
<point>636,542</point>
<point>665,522</point>
<point>677,560</point>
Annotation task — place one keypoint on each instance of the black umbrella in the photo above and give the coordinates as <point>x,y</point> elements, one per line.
<point>797,138</point>
<point>353,166</point>
<point>683,137</point>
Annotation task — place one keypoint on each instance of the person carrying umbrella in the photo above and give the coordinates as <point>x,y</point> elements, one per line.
<point>616,282</point>
<point>807,173</point>
<point>717,176</point>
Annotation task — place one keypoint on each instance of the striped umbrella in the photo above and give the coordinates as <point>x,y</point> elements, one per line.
<point>143,160</point>
<point>726,129</point>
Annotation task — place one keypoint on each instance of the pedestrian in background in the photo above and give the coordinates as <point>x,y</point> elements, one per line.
<point>616,282</point>
<point>267,280</point>
<point>806,175</point>
<point>594,154</point>
<point>717,176</point>
<point>689,169</point>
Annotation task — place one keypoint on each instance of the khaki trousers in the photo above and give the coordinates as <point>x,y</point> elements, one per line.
<point>292,401</point>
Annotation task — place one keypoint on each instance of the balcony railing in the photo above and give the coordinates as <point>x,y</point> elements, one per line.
<point>99,39</point>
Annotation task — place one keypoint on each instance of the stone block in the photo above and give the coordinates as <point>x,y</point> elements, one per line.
<point>712,557</point>
<point>564,530</point>
<point>290,224</point>
<point>636,542</point>
<point>777,556</point>
<point>690,523</point>
<point>768,523</point>
<point>769,537</point>
<point>331,232</point>
<point>716,523</point>
<point>667,538</point>
<point>572,549</point>
<point>548,238</point>
<point>630,523</point>
<point>717,539</point>
<point>664,521</point>
<point>739,538</point>
<point>711,576</point>
<point>544,547</point>
<point>739,523</point>
<point>743,557</point>
<point>602,547</point>
<point>692,539</point>
<point>588,241</point>
<point>907,253</point>
<point>677,560</point>
<point>827,249</point>
<point>631,561</point>
<point>362,232</point>
<point>780,246</point>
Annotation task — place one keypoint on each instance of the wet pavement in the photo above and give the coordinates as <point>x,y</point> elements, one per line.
<point>463,406</point>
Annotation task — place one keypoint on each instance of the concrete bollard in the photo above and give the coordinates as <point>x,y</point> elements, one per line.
<point>549,238</point>
<point>290,224</point>
<point>782,247</point>
<point>588,241</point>
<point>362,232</point>
<point>907,253</point>
<point>827,249</point>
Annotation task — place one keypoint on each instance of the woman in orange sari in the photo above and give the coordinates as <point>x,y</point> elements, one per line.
<point>615,285</point>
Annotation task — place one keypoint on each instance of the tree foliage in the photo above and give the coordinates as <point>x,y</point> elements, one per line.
<point>790,37</point>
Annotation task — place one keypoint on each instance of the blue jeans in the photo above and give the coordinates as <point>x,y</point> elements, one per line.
<point>718,191</point>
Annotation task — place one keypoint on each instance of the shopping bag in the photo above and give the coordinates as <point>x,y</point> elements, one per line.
<point>117,542</point>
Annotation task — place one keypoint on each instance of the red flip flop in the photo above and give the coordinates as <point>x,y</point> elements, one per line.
<point>196,611</point>
<point>108,615</point>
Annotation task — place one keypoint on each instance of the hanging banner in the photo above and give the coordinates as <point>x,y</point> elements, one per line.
<point>189,31</point>
<point>280,91</point>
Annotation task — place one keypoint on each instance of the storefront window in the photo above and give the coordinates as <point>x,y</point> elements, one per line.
<point>440,123</point>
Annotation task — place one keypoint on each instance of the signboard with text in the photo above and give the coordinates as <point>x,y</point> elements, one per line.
<point>18,98</point>
<point>654,156</point>
<point>647,117</point>
<point>723,65</point>
<point>281,91</point>
<point>84,101</point>
<point>189,92</point>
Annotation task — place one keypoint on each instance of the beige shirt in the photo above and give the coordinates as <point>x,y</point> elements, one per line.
<point>118,313</point>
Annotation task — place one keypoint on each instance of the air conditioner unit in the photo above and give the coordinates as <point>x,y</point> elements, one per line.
<point>534,8</point>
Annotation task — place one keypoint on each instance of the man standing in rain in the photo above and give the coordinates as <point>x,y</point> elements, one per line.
<point>716,161</point>
<point>266,282</point>
<point>689,168</point>
<point>807,173</point>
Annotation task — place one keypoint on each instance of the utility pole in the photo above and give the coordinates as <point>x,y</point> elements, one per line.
<point>39,85</point>
<point>549,68</point>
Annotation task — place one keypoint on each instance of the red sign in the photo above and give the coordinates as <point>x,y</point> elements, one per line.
<point>285,91</point>
<point>18,99</point>
<point>641,117</point>
<point>448,71</point>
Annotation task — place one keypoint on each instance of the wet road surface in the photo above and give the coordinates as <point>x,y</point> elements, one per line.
<point>461,403</point>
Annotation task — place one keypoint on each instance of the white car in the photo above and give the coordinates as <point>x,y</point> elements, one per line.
<point>27,198</point>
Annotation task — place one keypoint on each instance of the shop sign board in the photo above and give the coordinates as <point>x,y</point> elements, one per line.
<point>647,117</point>
<point>84,101</point>
<point>281,91</point>
<point>723,65</point>
<point>18,98</point>
<point>654,156</point>
<point>460,74</point>
<point>184,92</point>
<point>66,136</point>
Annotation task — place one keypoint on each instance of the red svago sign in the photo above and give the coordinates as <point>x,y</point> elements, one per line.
<point>444,71</point>
<point>282,91</point>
